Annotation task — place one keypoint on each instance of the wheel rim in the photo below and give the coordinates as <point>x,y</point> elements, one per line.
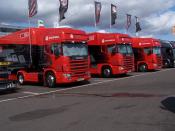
<point>21,79</point>
<point>50,80</point>
<point>143,68</point>
<point>107,72</point>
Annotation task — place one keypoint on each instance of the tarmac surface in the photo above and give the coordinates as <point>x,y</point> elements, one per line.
<point>137,102</point>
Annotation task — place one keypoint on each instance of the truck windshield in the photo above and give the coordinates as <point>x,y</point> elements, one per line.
<point>75,49</point>
<point>4,54</point>
<point>174,52</point>
<point>9,54</point>
<point>156,50</point>
<point>122,48</point>
<point>125,49</point>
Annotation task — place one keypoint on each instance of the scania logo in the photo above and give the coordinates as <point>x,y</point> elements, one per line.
<point>24,35</point>
<point>51,37</point>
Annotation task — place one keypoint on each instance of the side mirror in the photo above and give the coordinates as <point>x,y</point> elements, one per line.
<point>57,52</point>
<point>149,52</point>
<point>113,51</point>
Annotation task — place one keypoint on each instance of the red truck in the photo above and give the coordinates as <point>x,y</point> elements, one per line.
<point>147,54</point>
<point>110,53</point>
<point>48,55</point>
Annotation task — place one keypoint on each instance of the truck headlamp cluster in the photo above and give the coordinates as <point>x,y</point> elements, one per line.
<point>67,76</point>
<point>88,73</point>
<point>155,65</point>
<point>121,68</point>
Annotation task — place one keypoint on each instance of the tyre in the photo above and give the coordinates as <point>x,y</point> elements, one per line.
<point>20,79</point>
<point>50,80</point>
<point>143,68</point>
<point>167,63</point>
<point>106,72</point>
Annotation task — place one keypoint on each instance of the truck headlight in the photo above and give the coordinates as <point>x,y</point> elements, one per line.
<point>68,76</point>
<point>155,65</point>
<point>88,73</point>
<point>121,68</point>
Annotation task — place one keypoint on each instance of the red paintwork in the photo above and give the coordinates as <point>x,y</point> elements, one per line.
<point>149,60</point>
<point>145,42</point>
<point>46,36</point>
<point>10,77</point>
<point>116,62</point>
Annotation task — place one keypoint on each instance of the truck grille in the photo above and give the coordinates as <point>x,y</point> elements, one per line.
<point>128,62</point>
<point>79,67</point>
<point>159,61</point>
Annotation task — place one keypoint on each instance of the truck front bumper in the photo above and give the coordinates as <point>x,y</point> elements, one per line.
<point>7,84</point>
<point>154,66</point>
<point>63,78</point>
<point>117,70</point>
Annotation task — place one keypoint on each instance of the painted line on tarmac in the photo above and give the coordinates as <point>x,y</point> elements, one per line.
<point>30,93</point>
<point>100,80</point>
<point>60,90</point>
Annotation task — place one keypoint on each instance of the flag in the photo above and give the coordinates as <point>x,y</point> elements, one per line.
<point>97,11</point>
<point>40,23</point>
<point>113,14</point>
<point>128,24</point>
<point>33,7</point>
<point>138,28</point>
<point>63,8</point>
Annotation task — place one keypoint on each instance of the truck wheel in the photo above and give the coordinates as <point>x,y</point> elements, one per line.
<point>50,80</point>
<point>20,78</point>
<point>167,63</point>
<point>106,72</point>
<point>143,68</point>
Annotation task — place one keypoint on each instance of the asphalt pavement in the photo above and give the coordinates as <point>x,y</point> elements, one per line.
<point>137,102</point>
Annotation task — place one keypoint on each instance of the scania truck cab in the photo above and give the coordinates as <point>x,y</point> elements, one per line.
<point>173,50</point>
<point>110,53</point>
<point>147,54</point>
<point>8,80</point>
<point>167,49</point>
<point>49,55</point>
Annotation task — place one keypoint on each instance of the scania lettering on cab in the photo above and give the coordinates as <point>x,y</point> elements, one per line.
<point>48,55</point>
<point>147,54</point>
<point>111,54</point>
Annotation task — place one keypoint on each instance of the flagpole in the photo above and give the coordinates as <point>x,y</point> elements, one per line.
<point>137,33</point>
<point>110,19</point>
<point>127,28</point>
<point>59,22</point>
<point>59,18</point>
<point>30,42</point>
<point>95,24</point>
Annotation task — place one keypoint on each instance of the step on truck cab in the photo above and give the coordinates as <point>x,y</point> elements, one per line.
<point>147,54</point>
<point>48,55</point>
<point>110,53</point>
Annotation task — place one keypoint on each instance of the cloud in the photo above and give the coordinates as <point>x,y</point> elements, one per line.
<point>160,23</point>
<point>155,15</point>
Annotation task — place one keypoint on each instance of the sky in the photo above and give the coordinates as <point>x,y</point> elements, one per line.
<point>156,16</point>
